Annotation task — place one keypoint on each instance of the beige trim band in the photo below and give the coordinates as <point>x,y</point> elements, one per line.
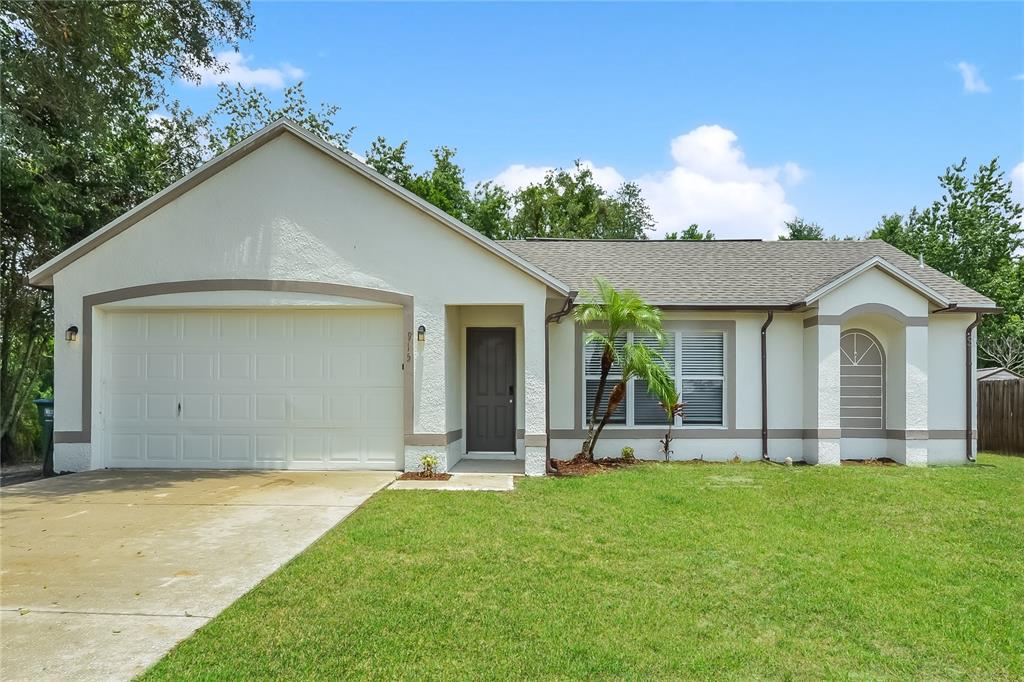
<point>822,434</point>
<point>864,309</point>
<point>535,440</point>
<point>191,286</point>
<point>740,434</point>
<point>953,434</point>
<point>678,433</point>
<point>433,439</point>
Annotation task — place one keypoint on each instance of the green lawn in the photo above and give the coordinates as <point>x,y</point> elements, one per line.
<point>660,571</point>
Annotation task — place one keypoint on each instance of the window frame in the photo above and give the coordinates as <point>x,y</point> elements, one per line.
<point>677,332</point>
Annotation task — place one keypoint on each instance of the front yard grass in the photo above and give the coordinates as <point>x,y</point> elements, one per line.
<point>657,571</point>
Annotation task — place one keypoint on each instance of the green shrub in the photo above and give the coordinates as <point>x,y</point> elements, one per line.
<point>628,454</point>
<point>428,464</point>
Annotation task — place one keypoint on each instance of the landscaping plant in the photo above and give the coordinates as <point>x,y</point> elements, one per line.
<point>610,314</point>
<point>428,464</point>
<point>672,410</point>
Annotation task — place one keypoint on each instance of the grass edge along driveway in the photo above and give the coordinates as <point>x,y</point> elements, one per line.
<point>661,571</point>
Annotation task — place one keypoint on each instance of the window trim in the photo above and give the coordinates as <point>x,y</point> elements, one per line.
<point>725,327</point>
<point>865,431</point>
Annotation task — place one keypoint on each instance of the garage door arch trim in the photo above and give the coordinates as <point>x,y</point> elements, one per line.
<point>84,435</point>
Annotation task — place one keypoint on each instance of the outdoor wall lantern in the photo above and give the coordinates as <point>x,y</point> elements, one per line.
<point>71,334</point>
<point>421,333</point>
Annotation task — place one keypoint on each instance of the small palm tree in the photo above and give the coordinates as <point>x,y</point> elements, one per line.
<point>611,314</point>
<point>637,362</point>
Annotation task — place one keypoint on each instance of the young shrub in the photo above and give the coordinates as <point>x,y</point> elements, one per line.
<point>428,464</point>
<point>672,409</point>
<point>628,454</point>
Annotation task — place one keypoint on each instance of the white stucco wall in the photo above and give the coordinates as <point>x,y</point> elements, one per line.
<point>289,212</point>
<point>946,371</point>
<point>923,382</point>
<point>562,349</point>
<point>873,286</point>
<point>740,436</point>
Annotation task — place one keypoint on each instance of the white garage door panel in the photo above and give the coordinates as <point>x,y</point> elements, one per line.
<point>263,389</point>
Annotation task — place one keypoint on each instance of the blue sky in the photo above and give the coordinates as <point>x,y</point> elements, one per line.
<point>734,116</point>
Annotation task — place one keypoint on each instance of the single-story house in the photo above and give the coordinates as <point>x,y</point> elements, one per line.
<point>997,374</point>
<point>284,306</point>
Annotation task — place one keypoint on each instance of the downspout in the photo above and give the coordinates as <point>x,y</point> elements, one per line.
<point>557,318</point>
<point>764,385</point>
<point>969,374</point>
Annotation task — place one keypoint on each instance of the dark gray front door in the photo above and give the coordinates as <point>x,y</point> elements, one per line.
<point>490,390</point>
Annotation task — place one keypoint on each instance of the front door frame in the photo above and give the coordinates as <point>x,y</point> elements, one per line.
<point>511,449</point>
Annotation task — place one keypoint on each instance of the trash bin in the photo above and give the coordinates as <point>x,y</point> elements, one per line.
<point>45,408</point>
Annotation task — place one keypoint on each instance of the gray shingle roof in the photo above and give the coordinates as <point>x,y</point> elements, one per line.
<point>724,273</point>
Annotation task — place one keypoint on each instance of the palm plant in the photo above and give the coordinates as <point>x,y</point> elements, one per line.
<point>610,314</point>
<point>637,362</point>
<point>672,410</point>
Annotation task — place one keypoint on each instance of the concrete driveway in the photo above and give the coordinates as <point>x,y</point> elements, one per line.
<point>101,573</point>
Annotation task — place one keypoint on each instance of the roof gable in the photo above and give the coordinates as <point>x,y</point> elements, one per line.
<point>886,267</point>
<point>43,275</point>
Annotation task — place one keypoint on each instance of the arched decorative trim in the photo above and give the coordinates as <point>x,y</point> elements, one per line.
<point>865,309</point>
<point>84,434</point>
<point>861,363</point>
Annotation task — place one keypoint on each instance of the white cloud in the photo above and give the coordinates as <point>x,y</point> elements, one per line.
<point>239,71</point>
<point>973,82</point>
<point>518,175</point>
<point>1017,177</point>
<point>793,173</point>
<point>711,184</point>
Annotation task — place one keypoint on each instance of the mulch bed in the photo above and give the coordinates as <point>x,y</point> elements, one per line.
<point>420,476</point>
<point>573,467</point>
<point>880,462</point>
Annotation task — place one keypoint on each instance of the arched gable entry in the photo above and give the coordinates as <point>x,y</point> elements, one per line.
<point>862,383</point>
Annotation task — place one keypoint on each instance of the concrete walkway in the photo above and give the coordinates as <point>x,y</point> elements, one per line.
<point>468,465</point>
<point>484,482</point>
<point>103,572</point>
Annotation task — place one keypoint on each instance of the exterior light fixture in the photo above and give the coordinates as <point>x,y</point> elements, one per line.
<point>71,334</point>
<point>421,333</point>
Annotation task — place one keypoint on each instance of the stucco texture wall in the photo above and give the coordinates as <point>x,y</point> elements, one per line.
<point>289,212</point>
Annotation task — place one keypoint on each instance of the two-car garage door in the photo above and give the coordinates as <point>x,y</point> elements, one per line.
<point>285,388</point>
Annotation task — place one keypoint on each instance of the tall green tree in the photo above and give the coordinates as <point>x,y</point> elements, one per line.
<point>390,161</point>
<point>692,233</point>
<point>443,185</point>
<point>490,213</point>
<point>569,204</point>
<point>189,139</point>
<point>800,229</point>
<point>972,233</point>
<point>78,81</point>
<point>566,204</point>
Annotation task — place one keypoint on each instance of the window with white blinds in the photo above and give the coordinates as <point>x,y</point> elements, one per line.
<point>695,359</point>
<point>592,353</point>
<point>702,377</point>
